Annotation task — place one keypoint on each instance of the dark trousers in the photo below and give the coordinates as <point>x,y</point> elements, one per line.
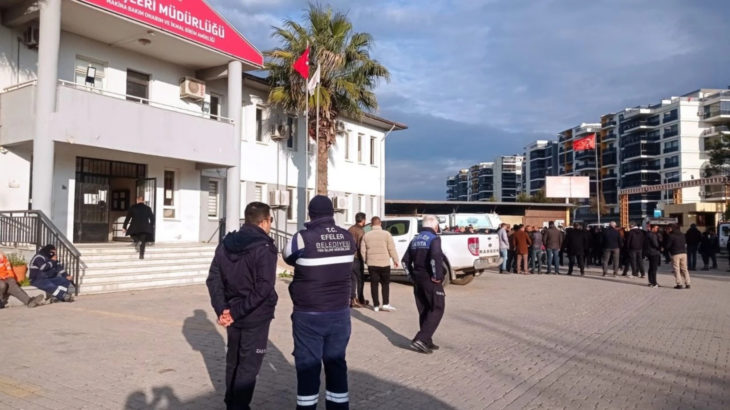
<point>246,349</point>
<point>321,337</point>
<point>358,285</point>
<point>572,258</point>
<point>140,240</point>
<point>706,257</point>
<point>614,254</point>
<point>380,275</point>
<point>431,303</point>
<point>653,265</point>
<point>637,262</point>
<point>9,287</point>
<point>692,257</point>
<point>552,259</point>
<point>511,261</point>
<point>58,287</point>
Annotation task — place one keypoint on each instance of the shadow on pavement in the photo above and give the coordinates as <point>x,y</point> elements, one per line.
<point>276,383</point>
<point>394,338</point>
<point>202,335</point>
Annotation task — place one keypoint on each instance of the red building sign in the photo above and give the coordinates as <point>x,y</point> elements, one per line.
<point>193,20</point>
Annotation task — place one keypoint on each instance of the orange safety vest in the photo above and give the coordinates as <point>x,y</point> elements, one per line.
<point>6,271</point>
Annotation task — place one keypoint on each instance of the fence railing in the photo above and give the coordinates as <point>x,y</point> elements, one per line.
<point>281,238</point>
<point>34,228</point>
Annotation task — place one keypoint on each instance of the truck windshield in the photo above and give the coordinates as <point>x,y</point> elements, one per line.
<point>397,228</point>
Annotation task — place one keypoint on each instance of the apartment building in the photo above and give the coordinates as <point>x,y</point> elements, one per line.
<point>714,112</point>
<point>541,160</point>
<point>103,101</point>
<point>457,187</point>
<point>508,177</point>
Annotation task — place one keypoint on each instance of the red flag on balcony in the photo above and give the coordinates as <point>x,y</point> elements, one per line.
<point>585,143</point>
<point>301,65</point>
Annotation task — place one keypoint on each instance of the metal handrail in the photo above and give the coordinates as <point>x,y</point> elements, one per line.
<point>281,238</point>
<point>33,227</point>
<point>151,103</point>
<point>20,85</point>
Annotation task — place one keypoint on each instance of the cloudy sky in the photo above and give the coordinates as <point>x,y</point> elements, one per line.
<point>476,79</point>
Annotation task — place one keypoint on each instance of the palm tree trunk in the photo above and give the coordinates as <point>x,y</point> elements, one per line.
<point>322,158</point>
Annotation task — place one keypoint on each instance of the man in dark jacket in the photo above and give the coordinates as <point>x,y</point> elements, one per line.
<point>358,266</point>
<point>142,226</point>
<point>612,244</point>
<point>677,247</point>
<point>322,256</point>
<point>241,287</point>
<point>553,243</point>
<point>424,265</point>
<point>575,245</point>
<point>49,275</point>
<point>693,237</point>
<point>635,247</point>
<point>653,253</point>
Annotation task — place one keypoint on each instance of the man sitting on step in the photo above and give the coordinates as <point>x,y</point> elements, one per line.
<point>9,286</point>
<point>47,274</point>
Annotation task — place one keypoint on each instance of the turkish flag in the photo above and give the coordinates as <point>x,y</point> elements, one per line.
<point>585,143</point>
<point>302,64</point>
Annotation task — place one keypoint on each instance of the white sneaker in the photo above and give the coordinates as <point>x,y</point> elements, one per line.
<point>376,308</point>
<point>389,308</point>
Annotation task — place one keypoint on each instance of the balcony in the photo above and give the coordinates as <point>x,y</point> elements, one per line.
<point>609,158</point>
<point>586,155</point>
<point>715,131</point>
<point>639,151</point>
<point>639,166</point>
<point>718,111</point>
<point>97,118</point>
<point>609,124</point>
<point>634,125</point>
<point>585,165</point>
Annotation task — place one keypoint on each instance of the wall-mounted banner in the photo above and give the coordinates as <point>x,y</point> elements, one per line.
<point>194,20</point>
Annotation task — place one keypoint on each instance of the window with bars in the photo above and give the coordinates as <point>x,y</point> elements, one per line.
<point>213,199</point>
<point>291,141</point>
<point>372,150</point>
<point>168,204</point>
<point>291,209</point>
<point>259,124</point>
<point>359,147</point>
<point>258,195</point>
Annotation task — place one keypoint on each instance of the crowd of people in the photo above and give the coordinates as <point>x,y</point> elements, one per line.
<point>525,249</point>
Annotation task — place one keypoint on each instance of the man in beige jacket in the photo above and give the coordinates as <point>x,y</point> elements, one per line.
<point>378,249</point>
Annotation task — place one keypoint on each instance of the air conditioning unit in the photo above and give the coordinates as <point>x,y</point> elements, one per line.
<point>192,89</point>
<point>31,36</point>
<point>340,203</point>
<point>279,198</point>
<point>280,132</point>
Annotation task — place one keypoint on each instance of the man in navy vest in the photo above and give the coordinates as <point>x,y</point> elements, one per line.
<point>322,256</point>
<point>424,264</point>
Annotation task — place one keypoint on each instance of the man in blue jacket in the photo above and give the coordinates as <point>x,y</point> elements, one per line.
<point>49,275</point>
<point>322,255</point>
<point>241,286</point>
<point>424,264</point>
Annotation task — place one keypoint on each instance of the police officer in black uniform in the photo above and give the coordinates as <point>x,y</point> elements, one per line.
<point>424,264</point>
<point>241,286</point>
<point>322,256</point>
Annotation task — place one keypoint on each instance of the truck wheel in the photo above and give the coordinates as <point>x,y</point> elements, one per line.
<point>464,279</point>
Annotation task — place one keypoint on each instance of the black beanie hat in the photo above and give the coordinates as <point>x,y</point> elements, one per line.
<point>320,206</point>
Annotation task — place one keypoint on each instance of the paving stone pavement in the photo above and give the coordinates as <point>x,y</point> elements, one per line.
<point>507,341</point>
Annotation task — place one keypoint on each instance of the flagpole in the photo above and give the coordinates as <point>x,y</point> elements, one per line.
<point>306,133</point>
<point>598,193</point>
<point>316,132</point>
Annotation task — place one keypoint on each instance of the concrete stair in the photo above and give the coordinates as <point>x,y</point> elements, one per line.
<point>116,267</point>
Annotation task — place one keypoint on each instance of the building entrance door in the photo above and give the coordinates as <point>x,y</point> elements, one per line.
<point>91,222</point>
<point>104,192</point>
<point>147,188</point>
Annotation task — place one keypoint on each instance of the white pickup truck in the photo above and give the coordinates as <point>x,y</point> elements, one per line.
<point>466,255</point>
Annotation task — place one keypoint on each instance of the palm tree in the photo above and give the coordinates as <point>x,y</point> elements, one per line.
<point>348,75</point>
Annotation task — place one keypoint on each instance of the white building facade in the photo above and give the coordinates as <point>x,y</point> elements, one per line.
<point>103,101</point>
